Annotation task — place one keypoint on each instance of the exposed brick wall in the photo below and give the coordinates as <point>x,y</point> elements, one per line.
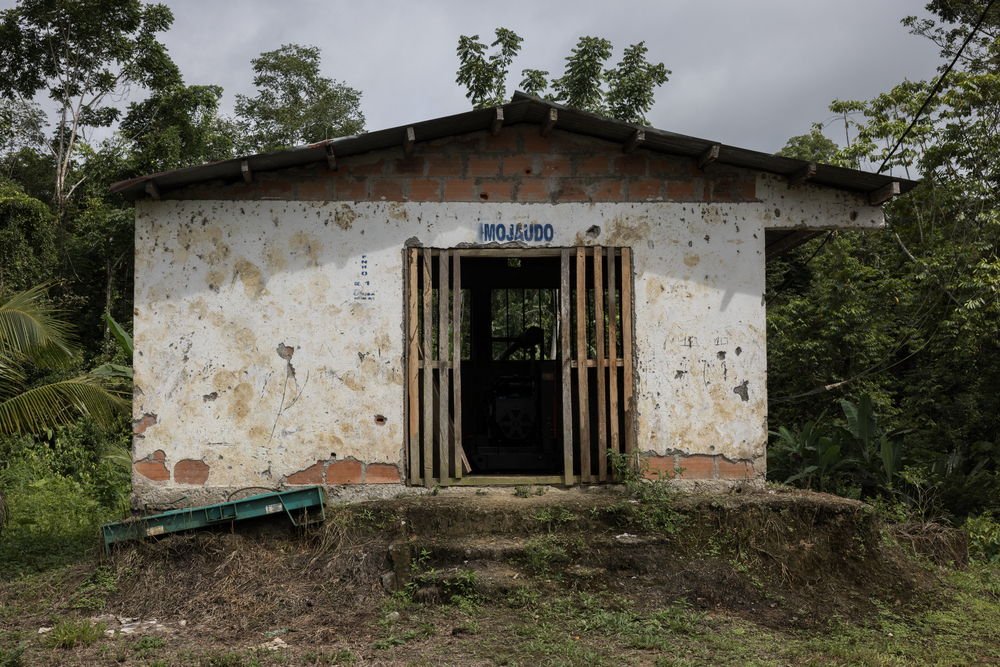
<point>517,165</point>
<point>696,467</point>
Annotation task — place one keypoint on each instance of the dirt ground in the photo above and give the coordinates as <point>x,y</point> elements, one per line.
<point>522,577</point>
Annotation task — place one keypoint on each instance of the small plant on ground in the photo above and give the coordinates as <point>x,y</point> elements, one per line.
<point>71,633</point>
<point>522,491</point>
<point>543,554</point>
<point>555,516</point>
<point>984,538</point>
<point>655,509</point>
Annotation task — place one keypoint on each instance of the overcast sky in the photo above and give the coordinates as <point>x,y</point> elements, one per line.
<point>749,74</point>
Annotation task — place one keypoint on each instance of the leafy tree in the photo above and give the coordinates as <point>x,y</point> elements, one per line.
<point>27,240</point>
<point>625,92</point>
<point>485,77</point>
<point>177,127</point>
<point>32,336</point>
<point>294,103</point>
<point>909,315</point>
<point>814,147</point>
<point>83,54</point>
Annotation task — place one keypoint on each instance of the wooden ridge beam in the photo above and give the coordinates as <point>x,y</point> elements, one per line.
<point>802,175</point>
<point>709,156</point>
<point>883,194</point>
<point>550,122</point>
<point>497,122</point>
<point>637,138</point>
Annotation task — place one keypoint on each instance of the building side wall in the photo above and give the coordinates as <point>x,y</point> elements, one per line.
<point>269,315</point>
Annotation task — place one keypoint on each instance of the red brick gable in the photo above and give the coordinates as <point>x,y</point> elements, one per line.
<point>516,165</point>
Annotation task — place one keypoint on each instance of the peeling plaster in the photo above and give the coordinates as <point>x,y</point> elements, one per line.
<point>220,396</point>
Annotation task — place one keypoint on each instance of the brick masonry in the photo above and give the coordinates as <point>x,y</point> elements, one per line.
<point>517,165</point>
<point>697,467</point>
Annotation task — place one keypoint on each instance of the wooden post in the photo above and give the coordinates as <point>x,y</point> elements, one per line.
<point>583,411</point>
<point>613,348</point>
<point>456,350</point>
<point>627,350</point>
<point>566,359</point>
<point>413,363</point>
<point>428,430</point>
<point>601,359</point>
<point>444,340</point>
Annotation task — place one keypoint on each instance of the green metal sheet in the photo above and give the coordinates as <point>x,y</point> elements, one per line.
<point>293,504</point>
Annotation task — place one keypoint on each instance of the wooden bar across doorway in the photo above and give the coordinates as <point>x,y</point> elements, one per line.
<point>594,377</point>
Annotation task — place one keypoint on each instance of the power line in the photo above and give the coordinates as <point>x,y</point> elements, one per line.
<point>937,86</point>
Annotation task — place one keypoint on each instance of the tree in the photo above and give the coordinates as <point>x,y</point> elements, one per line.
<point>294,104</point>
<point>814,147</point>
<point>909,315</point>
<point>27,240</point>
<point>84,54</point>
<point>176,127</point>
<point>32,337</point>
<point>625,92</point>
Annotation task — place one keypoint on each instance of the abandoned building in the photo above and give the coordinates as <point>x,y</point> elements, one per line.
<point>500,296</point>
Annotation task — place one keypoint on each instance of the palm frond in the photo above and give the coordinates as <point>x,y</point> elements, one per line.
<point>31,329</point>
<point>60,403</point>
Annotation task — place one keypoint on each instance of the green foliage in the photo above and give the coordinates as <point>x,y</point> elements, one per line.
<point>485,77</point>
<point>177,127</point>
<point>295,104</point>
<point>73,632</point>
<point>631,85</point>
<point>555,516</point>
<point>12,656</point>
<point>32,335</point>
<point>814,147</point>
<point>655,509</point>
<point>625,92</point>
<point>83,54</point>
<point>27,240</point>
<point>908,315</point>
<point>544,554</point>
<point>984,538</point>
<point>59,488</point>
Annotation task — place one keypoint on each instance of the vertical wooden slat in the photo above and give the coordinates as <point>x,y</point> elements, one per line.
<point>444,394</point>
<point>601,363</point>
<point>413,363</point>
<point>428,426</point>
<point>613,350</point>
<point>566,357</point>
<point>456,346</point>
<point>627,349</point>
<point>583,413</point>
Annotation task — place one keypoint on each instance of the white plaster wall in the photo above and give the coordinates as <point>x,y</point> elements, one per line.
<point>221,285</point>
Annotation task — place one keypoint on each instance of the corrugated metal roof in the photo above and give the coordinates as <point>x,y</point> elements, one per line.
<point>521,109</point>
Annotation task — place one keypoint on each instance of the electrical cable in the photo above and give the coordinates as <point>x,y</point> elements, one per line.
<point>937,85</point>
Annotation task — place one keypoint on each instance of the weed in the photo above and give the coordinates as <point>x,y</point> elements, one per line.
<point>522,491</point>
<point>540,490</point>
<point>11,656</point>
<point>341,657</point>
<point>555,516</point>
<point>655,509</point>
<point>423,631</point>
<point>146,647</point>
<point>94,591</point>
<point>543,553</point>
<point>70,633</point>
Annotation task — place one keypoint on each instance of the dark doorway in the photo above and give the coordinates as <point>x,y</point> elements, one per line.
<point>510,406</point>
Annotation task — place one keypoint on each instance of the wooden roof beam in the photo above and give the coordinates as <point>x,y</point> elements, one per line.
<point>409,138</point>
<point>637,138</point>
<point>550,122</point>
<point>709,156</point>
<point>802,175</point>
<point>883,194</point>
<point>245,170</point>
<point>497,121</point>
<point>152,189</point>
<point>331,159</point>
